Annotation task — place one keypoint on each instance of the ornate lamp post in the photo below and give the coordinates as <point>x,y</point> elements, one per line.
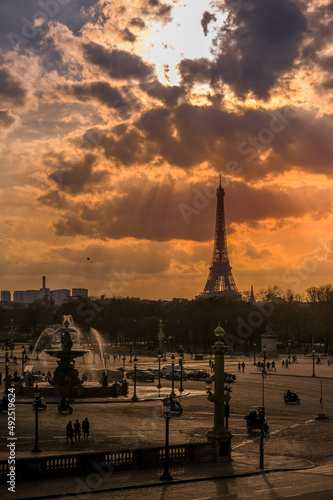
<point>262,414</point>
<point>166,476</point>
<point>219,432</point>
<point>181,362</point>
<point>159,357</point>
<point>313,363</point>
<point>227,395</point>
<point>254,354</point>
<point>135,397</point>
<point>172,393</point>
<point>36,448</point>
<point>131,352</point>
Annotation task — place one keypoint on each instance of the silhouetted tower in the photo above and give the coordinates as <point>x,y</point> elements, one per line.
<point>220,280</point>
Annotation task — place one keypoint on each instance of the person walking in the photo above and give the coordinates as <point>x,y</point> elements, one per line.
<point>85,428</point>
<point>239,367</point>
<point>69,432</point>
<point>77,430</point>
<point>243,367</point>
<point>273,366</point>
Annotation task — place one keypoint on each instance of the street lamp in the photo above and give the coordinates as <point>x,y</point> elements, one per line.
<point>172,393</point>
<point>23,358</point>
<point>36,448</point>
<point>219,433</point>
<point>131,352</point>
<point>262,414</point>
<point>289,350</point>
<point>313,363</point>
<point>166,476</point>
<point>135,397</point>
<point>254,354</point>
<point>7,373</point>
<point>181,361</point>
<point>159,356</point>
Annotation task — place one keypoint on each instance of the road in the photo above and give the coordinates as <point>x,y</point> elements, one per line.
<point>315,484</point>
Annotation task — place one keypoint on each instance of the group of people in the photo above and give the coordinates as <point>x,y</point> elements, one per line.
<point>74,431</point>
<point>241,366</point>
<point>270,365</point>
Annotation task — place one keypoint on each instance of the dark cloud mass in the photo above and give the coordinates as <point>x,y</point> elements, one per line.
<point>207,18</point>
<point>119,64</point>
<point>17,18</point>
<point>6,119</point>
<point>103,92</point>
<point>76,178</point>
<point>10,89</point>
<point>162,212</point>
<point>260,44</point>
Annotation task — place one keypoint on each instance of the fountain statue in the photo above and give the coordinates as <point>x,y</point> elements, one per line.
<point>65,375</point>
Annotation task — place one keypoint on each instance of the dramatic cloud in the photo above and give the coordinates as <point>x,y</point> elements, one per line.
<point>260,44</point>
<point>120,65</point>
<point>78,177</point>
<point>117,118</point>
<point>11,90</point>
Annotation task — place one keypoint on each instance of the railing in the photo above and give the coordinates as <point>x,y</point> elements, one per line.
<point>34,467</point>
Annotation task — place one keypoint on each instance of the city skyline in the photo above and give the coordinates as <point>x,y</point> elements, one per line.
<point>117,120</point>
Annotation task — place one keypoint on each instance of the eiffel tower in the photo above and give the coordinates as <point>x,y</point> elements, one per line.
<point>220,282</point>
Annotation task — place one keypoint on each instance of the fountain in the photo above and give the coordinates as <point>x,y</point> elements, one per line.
<point>65,374</point>
<point>65,379</point>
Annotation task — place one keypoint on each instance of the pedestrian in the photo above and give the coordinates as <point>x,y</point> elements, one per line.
<point>283,362</point>
<point>77,430</point>
<point>273,366</point>
<point>268,366</point>
<point>239,367</point>
<point>1,377</point>
<point>287,362</point>
<point>258,365</point>
<point>85,428</point>
<point>69,432</point>
<point>213,366</point>
<point>243,366</point>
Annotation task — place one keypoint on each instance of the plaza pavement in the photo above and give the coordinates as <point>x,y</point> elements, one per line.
<point>242,464</point>
<point>77,486</point>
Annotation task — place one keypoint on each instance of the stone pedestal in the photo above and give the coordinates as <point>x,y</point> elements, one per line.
<point>269,341</point>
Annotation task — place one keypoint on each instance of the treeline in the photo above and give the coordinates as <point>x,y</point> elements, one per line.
<point>191,324</point>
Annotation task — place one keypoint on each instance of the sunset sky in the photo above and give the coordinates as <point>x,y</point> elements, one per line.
<point>116,119</point>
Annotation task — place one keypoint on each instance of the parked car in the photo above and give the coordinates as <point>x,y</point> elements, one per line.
<point>155,372</point>
<point>145,375</point>
<point>168,369</point>
<point>197,374</point>
<point>176,375</point>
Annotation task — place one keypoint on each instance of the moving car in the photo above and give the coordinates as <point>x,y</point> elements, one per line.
<point>176,375</point>
<point>197,374</point>
<point>145,375</point>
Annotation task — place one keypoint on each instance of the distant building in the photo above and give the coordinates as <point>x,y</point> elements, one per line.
<point>18,297</point>
<point>79,292</point>
<point>60,296</point>
<point>6,296</point>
